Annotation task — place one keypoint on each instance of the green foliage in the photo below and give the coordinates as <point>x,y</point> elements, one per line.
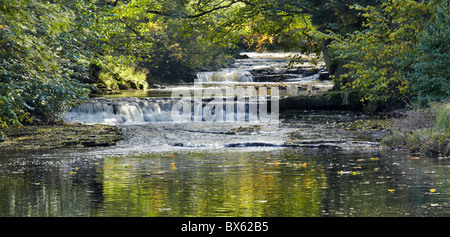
<point>160,37</point>
<point>118,76</point>
<point>378,58</point>
<point>430,80</point>
<point>38,60</point>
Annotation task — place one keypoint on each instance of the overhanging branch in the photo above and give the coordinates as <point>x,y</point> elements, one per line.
<point>219,6</point>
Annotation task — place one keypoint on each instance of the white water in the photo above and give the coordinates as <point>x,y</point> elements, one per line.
<point>226,75</point>
<point>147,123</point>
<point>121,111</point>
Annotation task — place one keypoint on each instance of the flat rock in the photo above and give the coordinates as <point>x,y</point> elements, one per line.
<point>38,137</point>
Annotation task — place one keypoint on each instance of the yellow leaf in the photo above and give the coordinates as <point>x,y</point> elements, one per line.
<point>432,190</point>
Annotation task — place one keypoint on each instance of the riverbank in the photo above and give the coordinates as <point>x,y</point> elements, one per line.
<point>41,137</point>
<point>423,130</point>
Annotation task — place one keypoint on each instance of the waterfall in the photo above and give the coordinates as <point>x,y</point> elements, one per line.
<point>121,111</point>
<point>130,110</point>
<point>231,75</point>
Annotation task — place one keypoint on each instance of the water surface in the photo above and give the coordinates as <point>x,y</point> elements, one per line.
<point>279,182</point>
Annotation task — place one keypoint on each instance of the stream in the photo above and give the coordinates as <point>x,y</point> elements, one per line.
<point>192,150</point>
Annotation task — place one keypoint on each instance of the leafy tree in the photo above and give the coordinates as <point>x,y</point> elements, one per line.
<point>379,57</point>
<point>38,59</point>
<point>430,80</point>
<point>338,17</point>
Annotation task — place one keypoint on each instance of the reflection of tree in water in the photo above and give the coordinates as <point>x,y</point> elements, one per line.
<point>90,175</point>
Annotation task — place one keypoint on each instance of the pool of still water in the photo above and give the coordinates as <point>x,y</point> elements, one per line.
<point>287,182</point>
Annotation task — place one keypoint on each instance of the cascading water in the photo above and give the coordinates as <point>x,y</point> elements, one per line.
<point>149,124</point>
<point>121,111</point>
<point>132,111</point>
<point>229,75</point>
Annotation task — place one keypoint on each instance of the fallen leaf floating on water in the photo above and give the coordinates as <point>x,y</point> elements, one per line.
<point>344,172</point>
